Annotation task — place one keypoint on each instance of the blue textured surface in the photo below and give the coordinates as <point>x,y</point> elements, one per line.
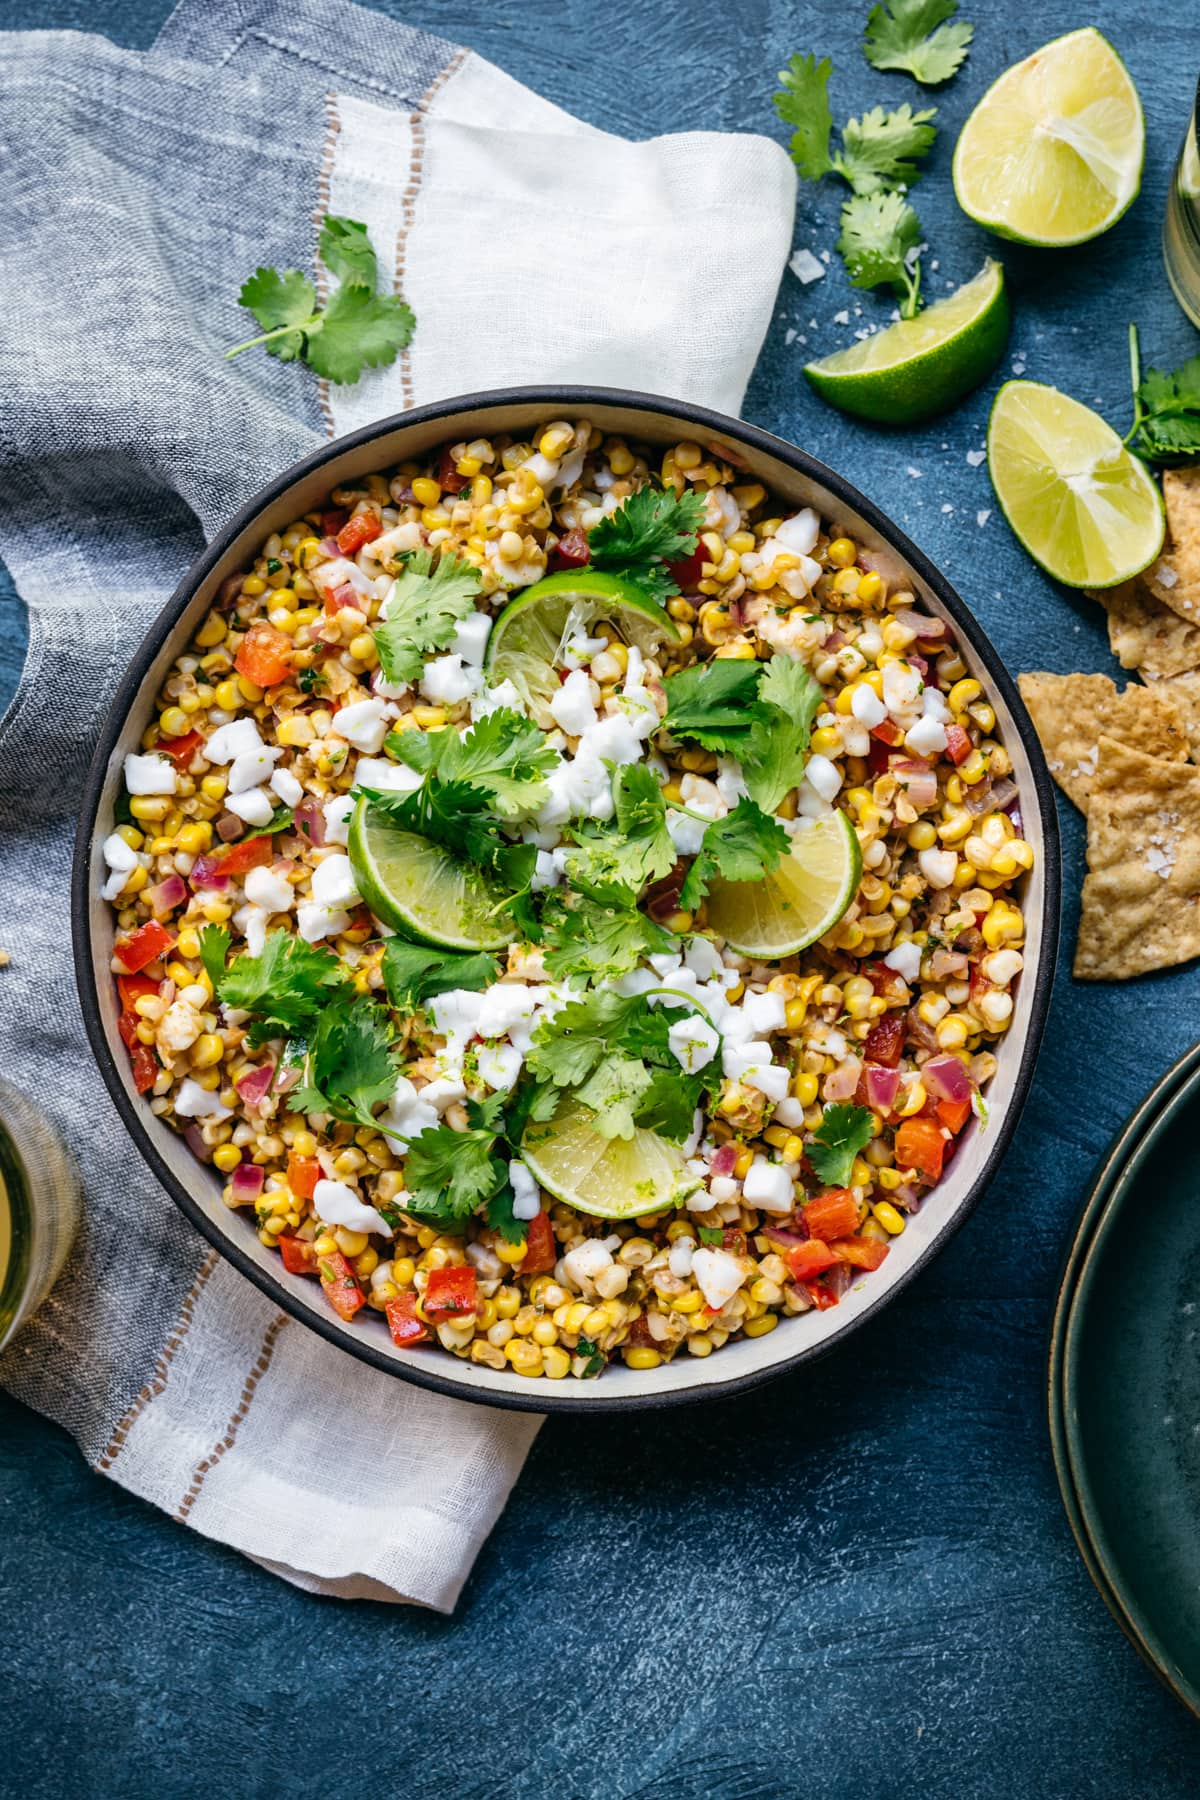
<point>859,1579</point>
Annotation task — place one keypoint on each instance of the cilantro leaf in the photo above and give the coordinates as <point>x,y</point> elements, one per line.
<point>789,697</point>
<point>1166,425</point>
<point>357,330</point>
<point>505,754</point>
<point>567,1047</point>
<point>426,603</point>
<point>591,939</point>
<point>713,704</point>
<point>351,1060</point>
<point>500,1217</point>
<point>654,527</point>
<point>912,35</point>
<point>286,985</point>
<point>414,973</point>
<point>843,1132</point>
<point>457,816</point>
<point>880,233</point>
<point>285,305</point>
<point>635,848</point>
<point>345,249</point>
<point>449,1173</point>
<point>743,846</point>
<point>803,103</point>
<point>596,1359</point>
<point>879,149</point>
<point>214,951</point>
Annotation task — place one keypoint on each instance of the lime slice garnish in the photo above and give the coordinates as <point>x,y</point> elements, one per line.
<point>799,901</point>
<point>611,1178</point>
<point>528,635</point>
<point>419,888</point>
<point>1052,154</point>
<point>1084,507</point>
<point>921,366</point>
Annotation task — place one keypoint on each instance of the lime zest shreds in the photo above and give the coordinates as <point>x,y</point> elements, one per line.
<point>1083,505</point>
<point>1052,155</point>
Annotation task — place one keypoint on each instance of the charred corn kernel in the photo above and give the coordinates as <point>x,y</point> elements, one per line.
<point>188,944</point>
<point>425,491</point>
<point>846,582</point>
<point>404,1271</point>
<point>512,546</point>
<point>145,1032</point>
<point>195,838</point>
<point>640,1356</point>
<point>367,1263</point>
<point>973,769</point>
<point>857,996</point>
<point>957,826</point>
<point>804,1089</point>
<point>227,1157</point>
<point>686,633</point>
<point>962,694</point>
<point>511,1253</point>
<point>741,1167</point>
<point>555,1363</point>
<point>870,587</point>
<point>151,808</point>
<point>793,1150</point>
<point>253,586</point>
<point>688,455</point>
<point>749,495</point>
<point>913,1101</point>
<point>229,695</point>
<point>892,1220</point>
<point>173,722</point>
<point>362,648</point>
<point>762,1325</point>
<point>700,1344</point>
<point>620,460</point>
<point>207,1051</point>
<point>351,1243</point>
<point>211,632</point>
<point>767,1293</point>
<point>776,1136</point>
<point>545,1333</point>
<point>842,552</point>
<point>793,1014</point>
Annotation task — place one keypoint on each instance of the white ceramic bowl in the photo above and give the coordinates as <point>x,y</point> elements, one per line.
<point>800,480</point>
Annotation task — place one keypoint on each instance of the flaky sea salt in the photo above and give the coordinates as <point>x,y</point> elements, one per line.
<point>806,267</point>
<point>982,517</point>
<point>975,457</point>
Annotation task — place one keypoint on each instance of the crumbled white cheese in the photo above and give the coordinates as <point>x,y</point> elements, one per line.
<point>718,1276</point>
<point>906,960</point>
<point>499,1065</point>
<point>823,776</point>
<point>238,738</point>
<point>194,1102</point>
<point>926,738</point>
<point>806,268</point>
<point>333,882</point>
<point>586,1261</point>
<point>363,724</point>
<point>150,775</point>
<point>447,680</point>
<point>255,806</point>
<point>314,921</point>
<point>252,769</point>
<point>526,1201</point>
<point>336,1203</point>
<point>384,776</point>
<point>867,707</point>
<point>692,1042</point>
<point>337,818</point>
<point>284,783</point>
<point>470,638</point>
<point>574,705</point>
<point>938,866</point>
<point>764,1012</point>
<point>268,889</point>
<point>768,1186</point>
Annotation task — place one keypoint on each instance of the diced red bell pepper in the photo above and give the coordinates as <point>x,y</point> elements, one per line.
<point>541,1249</point>
<point>303,1174</point>
<point>807,1261</point>
<point>687,571</point>
<point>958,744</point>
<point>572,550</point>
<point>954,1114</point>
<point>885,1040</point>
<point>145,945</point>
<point>832,1215</point>
<point>921,1146</point>
<point>251,853</point>
<point>450,1293</point>
<point>333,520</point>
<point>133,988</point>
<point>886,732</point>
<point>336,598</point>
<point>127,1025</point>
<point>861,1252</point>
<point>144,1064</point>
<point>733,1240</point>
<point>181,749</point>
<point>820,1295</point>
<point>362,529</point>
<point>264,656</point>
<point>299,1257</point>
<point>448,477</point>
<point>403,1323</point>
<point>341,1289</point>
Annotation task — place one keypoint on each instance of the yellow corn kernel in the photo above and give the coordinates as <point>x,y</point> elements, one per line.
<point>793,1014</point>
<point>362,648</point>
<point>827,740</point>
<point>429,718</point>
<point>973,769</point>
<point>691,1302</point>
<point>759,1327</point>
<point>842,553</point>
<point>253,586</point>
<point>913,1101</point>
<point>888,1179</point>
<point>804,1089</point>
<point>425,491</point>
<point>871,588</point>
<point>207,1051</point>
<point>640,1356</point>
<point>555,1363</point>
<point>404,1271</point>
<point>295,731</point>
<point>892,1220</point>
<point>145,1032</point>
<point>985,718</point>
<point>249,690</point>
<point>846,582</point>
<point>211,632</point>
<point>351,1243</point>
<point>151,808</point>
<point>922,835</point>
<point>213,787</point>
<point>511,1253</point>
<point>174,722</point>
<point>957,826</point>
<point>216,911</point>
<point>962,694</point>
<point>1003,925</point>
<point>679,922</point>
<point>227,1157</point>
<point>131,835</point>
<point>195,839</point>
<point>525,1358</point>
<point>741,1167</point>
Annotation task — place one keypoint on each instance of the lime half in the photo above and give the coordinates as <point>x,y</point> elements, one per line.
<point>528,635</point>
<point>611,1178</point>
<point>419,888</point>
<point>921,366</point>
<point>1052,154</point>
<point>799,901</point>
<point>1083,506</point>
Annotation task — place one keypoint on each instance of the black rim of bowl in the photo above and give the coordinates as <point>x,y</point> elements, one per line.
<point>544,1397</point>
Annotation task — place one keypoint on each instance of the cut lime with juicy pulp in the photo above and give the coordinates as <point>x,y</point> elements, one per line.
<point>1052,154</point>
<point>799,901</point>
<point>922,366</point>
<point>611,1178</point>
<point>1083,506</point>
<point>420,889</point>
<point>528,635</point>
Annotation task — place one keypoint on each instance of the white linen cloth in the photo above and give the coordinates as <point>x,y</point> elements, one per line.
<point>533,248</point>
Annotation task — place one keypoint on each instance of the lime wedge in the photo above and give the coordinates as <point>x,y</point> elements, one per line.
<point>610,1178</point>
<point>921,366</point>
<point>1083,506</point>
<point>419,888</point>
<point>799,901</point>
<point>526,638</point>
<point>1052,154</point>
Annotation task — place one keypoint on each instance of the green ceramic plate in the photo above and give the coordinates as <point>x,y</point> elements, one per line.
<point>1129,1362</point>
<point>1108,1172</point>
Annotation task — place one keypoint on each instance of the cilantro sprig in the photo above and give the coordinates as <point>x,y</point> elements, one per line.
<point>634,848</point>
<point>427,602</point>
<point>285,986</point>
<point>743,846</point>
<point>414,973</point>
<point>505,756</point>
<point>921,37</point>
<point>880,149</point>
<point>1166,410</point>
<point>654,527</point>
<point>844,1130</point>
<point>352,1061</point>
<point>760,715</point>
<point>357,328</point>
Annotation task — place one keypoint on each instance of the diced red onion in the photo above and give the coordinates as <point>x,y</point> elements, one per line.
<point>882,1087</point>
<point>229,592</point>
<point>886,563</point>
<point>330,546</point>
<point>309,820</point>
<point>724,1159</point>
<point>1003,794</point>
<point>800,1297</point>
<point>978,799</point>
<point>927,630</point>
<point>789,1234</point>
<point>247,1182</point>
<point>945,1078</point>
<point>921,1033</point>
<point>906,1197</point>
<point>945,965</point>
<point>206,873</point>
<point>842,1082</point>
<point>167,895</point>
<point>920,665</point>
<point>229,827</point>
<point>835,640</point>
<point>255,1084</point>
<point>193,1137</point>
<point>919,782</point>
<point>345,595</point>
<point>839,1279</point>
<point>289,1078</point>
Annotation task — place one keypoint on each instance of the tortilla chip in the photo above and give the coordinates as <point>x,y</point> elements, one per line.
<point>1181,496</point>
<point>1185,690</point>
<point>1169,588</point>
<point>1141,897</point>
<point>1145,635</point>
<point>1072,712</point>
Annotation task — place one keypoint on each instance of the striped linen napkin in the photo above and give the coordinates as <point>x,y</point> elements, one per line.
<point>141,189</point>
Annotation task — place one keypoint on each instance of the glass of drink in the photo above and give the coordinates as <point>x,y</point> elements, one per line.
<point>39,1209</point>
<point>1181,227</point>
